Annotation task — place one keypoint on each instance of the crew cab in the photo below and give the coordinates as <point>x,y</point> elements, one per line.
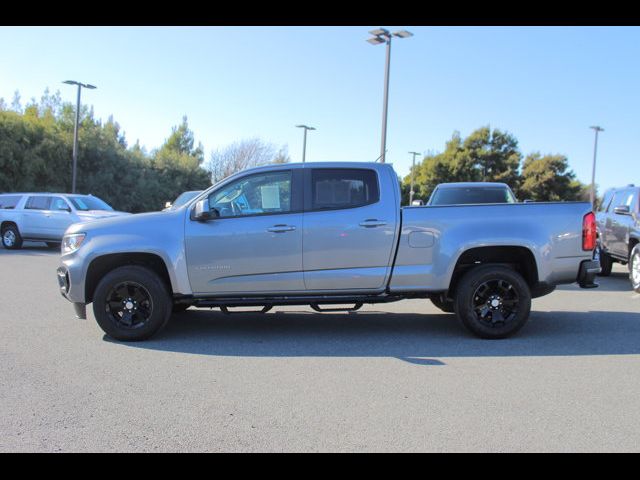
<point>44,217</point>
<point>324,234</point>
<point>618,229</point>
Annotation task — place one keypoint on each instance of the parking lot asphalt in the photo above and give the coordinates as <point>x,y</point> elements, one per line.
<point>395,377</point>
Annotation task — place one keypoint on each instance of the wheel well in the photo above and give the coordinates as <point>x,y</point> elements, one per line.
<point>519,258</point>
<point>99,267</point>
<point>6,224</point>
<point>632,243</point>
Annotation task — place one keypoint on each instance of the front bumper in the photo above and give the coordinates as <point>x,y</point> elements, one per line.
<point>67,291</point>
<point>587,273</point>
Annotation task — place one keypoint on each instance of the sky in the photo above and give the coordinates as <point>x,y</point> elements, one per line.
<point>544,85</point>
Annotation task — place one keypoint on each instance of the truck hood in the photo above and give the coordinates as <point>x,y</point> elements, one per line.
<point>125,223</point>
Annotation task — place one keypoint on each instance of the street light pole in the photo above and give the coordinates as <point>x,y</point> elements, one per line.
<point>75,129</point>
<point>382,35</point>
<point>593,170</point>
<point>304,141</point>
<point>413,166</point>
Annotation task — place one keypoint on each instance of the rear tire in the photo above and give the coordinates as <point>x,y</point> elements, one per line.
<point>131,303</point>
<point>493,301</point>
<point>443,304</point>
<point>11,238</point>
<point>606,263</point>
<point>634,268</point>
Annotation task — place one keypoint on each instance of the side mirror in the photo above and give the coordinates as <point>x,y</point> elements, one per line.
<point>203,213</point>
<point>167,205</point>
<point>622,210</point>
<point>417,203</point>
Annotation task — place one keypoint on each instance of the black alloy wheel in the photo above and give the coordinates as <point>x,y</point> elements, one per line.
<point>129,305</point>
<point>493,301</point>
<point>132,303</point>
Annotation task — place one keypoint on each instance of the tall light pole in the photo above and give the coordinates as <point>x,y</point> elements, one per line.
<point>593,170</point>
<point>75,130</point>
<point>413,166</point>
<point>304,141</point>
<point>382,35</point>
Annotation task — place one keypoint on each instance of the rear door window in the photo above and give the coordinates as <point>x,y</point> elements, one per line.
<point>343,188</point>
<point>38,203</point>
<point>9,201</point>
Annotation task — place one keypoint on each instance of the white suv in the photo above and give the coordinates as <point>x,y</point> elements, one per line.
<point>44,217</point>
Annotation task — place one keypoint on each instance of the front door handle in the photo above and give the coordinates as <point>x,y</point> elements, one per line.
<point>372,222</point>
<point>281,228</point>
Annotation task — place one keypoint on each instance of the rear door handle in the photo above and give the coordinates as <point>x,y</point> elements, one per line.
<point>372,222</point>
<point>281,228</point>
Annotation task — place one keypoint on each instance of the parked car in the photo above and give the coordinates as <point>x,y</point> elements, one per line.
<point>182,199</point>
<point>44,217</point>
<point>323,234</point>
<point>467,193</point>
<point>618,224</point>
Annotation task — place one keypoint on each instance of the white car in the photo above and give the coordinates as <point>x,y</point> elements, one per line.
<point>44,217</point>
<point>181,200</point>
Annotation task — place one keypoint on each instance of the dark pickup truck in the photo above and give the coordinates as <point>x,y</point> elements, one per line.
<point>618,230</point>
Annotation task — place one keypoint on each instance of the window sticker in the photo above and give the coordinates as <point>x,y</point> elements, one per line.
<point>270,196</point>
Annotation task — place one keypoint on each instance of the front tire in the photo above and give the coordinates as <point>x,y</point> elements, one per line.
<point>11,238</point>
<point>634,268</point>
<point>493,301</point>
<point>131,303</point>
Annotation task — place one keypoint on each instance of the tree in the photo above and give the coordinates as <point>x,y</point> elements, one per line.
<point>15,103</point>
<point>244,154</point>
<point>35,155</point>
<point>548,178</point>
<point>179,149</point>
<point>494,154</point>
<point>485,155</point>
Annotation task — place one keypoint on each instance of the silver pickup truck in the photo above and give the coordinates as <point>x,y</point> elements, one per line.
<point>324,234</point>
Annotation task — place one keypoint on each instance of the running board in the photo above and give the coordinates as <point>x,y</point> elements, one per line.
<point>355,308</point>
<point>264,309</point>
<point>314,301</point>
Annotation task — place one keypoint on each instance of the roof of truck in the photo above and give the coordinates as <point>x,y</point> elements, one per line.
<point>46,193</point>
<point>471,184</point>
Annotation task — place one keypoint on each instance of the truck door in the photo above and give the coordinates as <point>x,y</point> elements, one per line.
<point>255,245</point>
<point>621,224</point>
<point>35,219</point>
<point>349,229</point>
<point>60,217</point>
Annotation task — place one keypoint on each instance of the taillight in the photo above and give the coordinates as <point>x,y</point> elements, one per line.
<point>589,231</point>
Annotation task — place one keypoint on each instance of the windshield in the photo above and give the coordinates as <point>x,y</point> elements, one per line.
<point>83,203</point>
<point>470,195</point>
<point>184,198</point>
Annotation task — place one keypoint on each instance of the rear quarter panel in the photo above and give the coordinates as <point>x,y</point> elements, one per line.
<point>433,239</point>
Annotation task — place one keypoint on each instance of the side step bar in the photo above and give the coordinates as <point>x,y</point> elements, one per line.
<point>355,308</point>
<point>314,301</point>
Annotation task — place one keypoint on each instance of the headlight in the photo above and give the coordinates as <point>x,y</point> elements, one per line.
<point>70,243</point>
